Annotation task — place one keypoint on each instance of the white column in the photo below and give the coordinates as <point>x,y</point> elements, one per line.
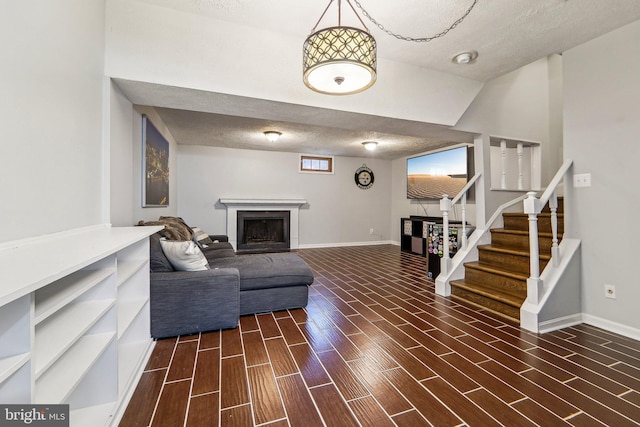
<point>520,173</point>
<point>534,284</point>
<point>503,155</point>
<point>445,207</point>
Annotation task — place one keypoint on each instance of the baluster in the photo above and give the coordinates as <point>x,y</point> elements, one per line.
<point>464,221</point>
<point>445,207</point>
<point>534,284</point>
<point>503,154</point>
<point>520,172</point>
<point>555,250</point>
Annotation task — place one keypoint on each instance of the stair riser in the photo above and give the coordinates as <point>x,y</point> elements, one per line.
<point>522,223</point>
<point>520,243</point>
<point>511,262</point>
<point>495,281</point>
<point>483,301</point>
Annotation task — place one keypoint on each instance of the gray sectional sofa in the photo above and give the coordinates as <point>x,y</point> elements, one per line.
<point>187,302</point>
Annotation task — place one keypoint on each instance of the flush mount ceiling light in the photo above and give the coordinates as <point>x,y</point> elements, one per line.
<point>370,145</point>
<point>465,57</point>
<point>272,135</point>
<point>339,60</point>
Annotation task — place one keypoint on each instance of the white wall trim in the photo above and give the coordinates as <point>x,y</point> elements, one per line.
<point>610,326</point>
<point>559,323</point>
<point>339,245</point>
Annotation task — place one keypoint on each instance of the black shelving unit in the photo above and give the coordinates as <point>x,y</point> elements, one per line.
<point>413,233</point>
<point>424,236</point>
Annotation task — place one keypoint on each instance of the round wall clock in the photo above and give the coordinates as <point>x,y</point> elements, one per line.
<point>364,177</point>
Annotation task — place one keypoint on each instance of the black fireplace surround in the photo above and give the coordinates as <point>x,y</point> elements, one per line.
<point>263,231</point>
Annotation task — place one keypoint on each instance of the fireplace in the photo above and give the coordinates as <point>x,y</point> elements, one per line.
<point>263,231</point>
<point>237,205</point>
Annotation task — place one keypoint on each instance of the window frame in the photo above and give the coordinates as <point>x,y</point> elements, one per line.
<point>303,157</point>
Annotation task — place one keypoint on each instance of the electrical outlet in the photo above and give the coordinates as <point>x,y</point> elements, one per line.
<point>610,291</point>
<point>371,231</point>
<point>582,180</point>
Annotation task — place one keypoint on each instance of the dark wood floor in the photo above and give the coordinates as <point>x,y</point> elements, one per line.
<point>376,347</point>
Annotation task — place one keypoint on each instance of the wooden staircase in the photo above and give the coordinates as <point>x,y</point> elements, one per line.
<point>498,280</point>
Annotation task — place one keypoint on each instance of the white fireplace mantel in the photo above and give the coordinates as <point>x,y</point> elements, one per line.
<point>235,205</point>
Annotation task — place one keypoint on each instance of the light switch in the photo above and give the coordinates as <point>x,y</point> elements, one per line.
<point>582,180</point>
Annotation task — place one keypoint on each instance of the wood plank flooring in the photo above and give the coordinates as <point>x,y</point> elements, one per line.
<point>376,347</point>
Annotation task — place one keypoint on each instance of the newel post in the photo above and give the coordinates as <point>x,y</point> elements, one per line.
<point>445,207</point>
<point>534,284</point>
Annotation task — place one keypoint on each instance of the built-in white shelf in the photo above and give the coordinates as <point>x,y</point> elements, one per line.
<point>88,415</point>
<point>74,320</point>
<point>57,383</point>
<point>59,332</point>
<point>129,365</point>
<point>126,269</point>
<point>10,365</point>
<point>60,293</point>
<point>127,312</point>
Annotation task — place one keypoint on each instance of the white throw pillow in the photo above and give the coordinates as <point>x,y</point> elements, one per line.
<point>184,255</point>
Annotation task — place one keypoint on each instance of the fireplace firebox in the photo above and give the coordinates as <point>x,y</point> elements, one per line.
<point>263,231</point>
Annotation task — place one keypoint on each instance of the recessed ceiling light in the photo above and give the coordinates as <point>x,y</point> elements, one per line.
<point>465,57</point>
<point>272,135</point>
<point>370,145</point>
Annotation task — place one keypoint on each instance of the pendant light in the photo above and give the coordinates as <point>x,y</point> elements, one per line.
<point>339,60</point>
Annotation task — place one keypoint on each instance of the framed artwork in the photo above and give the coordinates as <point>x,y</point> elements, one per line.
<point>155,166</point>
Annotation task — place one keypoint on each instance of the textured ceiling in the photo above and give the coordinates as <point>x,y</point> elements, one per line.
<point>508,34</point>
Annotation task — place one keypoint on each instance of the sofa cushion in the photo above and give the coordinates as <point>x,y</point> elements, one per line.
<point>158,262</point>
<point>268,270</point>
<point>201,238</point>
<point>217,250</point>
<point>184,255</point>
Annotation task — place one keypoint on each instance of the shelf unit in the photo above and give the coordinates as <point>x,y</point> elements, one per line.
<point>423,236</point>
<point>413,233</point>
<point>74,320</point>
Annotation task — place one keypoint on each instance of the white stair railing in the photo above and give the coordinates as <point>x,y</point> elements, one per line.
<point>532,207</point>
<point>446,205</point>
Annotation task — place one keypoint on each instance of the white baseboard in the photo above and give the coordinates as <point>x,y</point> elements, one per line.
<point>559,323</point>
<point>610,326</point>
<point>335,245</point>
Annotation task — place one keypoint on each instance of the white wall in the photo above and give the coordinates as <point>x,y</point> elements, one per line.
<point>602,136</point>
<point>121,158</point>
<point>156,44</point>
<point>51,81</point>
<point>338,211</point>
<point>524,105</point>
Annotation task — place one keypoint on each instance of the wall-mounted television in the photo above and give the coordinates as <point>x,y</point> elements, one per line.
<point>433,175</point>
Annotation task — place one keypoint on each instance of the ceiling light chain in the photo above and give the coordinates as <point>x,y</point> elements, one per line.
<point>411,39</point>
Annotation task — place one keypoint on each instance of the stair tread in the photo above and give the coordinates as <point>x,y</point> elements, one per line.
<point>496,270</point>
<point>487,309</point>
<point>521,214</point>
<point>503,297</point>
<point>504,250</point>
<point>521,232</point>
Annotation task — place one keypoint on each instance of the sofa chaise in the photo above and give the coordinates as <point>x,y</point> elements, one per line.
<point>187,302</point>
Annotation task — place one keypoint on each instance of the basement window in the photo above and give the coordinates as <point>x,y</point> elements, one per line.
<point>315,164</point>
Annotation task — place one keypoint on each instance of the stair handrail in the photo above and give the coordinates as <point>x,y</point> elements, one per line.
<point>532,207</point>
<point>445,206</point>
